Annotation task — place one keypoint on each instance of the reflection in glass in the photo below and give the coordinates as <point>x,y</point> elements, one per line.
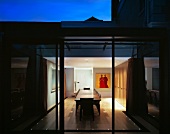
<point>32,83</point>
<point>136,84</point>
<point>18,80</point>
<point>151,59</point>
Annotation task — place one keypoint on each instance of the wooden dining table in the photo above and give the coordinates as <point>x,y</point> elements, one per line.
<point>88,94</point>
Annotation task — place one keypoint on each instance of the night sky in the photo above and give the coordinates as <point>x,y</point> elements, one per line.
<point>54,10</point>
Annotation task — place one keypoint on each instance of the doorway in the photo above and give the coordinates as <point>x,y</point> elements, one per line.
<point>83,78</point>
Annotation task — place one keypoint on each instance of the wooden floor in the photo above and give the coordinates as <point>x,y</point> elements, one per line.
<point>153,111</point>
<point>101,122</point>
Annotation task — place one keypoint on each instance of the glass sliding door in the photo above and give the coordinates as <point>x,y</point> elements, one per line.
<point>19,67</point>
<point>123,51</point>
<point>136,84</point>
<point>48,51</point>
<point>33,87</point>
<point>150,52</point>
<point>85,62</point>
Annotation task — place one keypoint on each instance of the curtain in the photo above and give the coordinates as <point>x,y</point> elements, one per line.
<point>35,102</point>
<point>30,88</point>
<point>43,85</point>
<point>136,99</point>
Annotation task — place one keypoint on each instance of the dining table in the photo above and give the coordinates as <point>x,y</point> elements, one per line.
<point>88,94</point>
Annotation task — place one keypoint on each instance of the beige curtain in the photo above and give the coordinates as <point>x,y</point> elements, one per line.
<point>136,99</point>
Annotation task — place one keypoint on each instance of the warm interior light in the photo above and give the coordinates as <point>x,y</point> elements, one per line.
<point>117,105</point>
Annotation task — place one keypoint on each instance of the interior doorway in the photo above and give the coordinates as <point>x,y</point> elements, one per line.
<point>83,78</point>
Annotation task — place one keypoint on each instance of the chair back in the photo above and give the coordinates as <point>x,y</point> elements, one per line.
<point>86,88</point>
<point>86,107</point>
<point>77,92</point>
<point>86,104</point>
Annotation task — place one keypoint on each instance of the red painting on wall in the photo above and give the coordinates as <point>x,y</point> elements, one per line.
<point>103,80</point>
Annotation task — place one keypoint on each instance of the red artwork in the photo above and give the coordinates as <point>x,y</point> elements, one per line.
<point>103,81</point>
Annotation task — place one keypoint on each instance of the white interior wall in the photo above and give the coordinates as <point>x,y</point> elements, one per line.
<point>105,92</point>
<point>69,81</point>
<point>148,77</point>
<point>51,97</point>
<point>84,77</point>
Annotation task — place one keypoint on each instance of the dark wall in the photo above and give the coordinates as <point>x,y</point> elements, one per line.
<point>130,14</point>
<point>149,13</point>
<point>155,78</point>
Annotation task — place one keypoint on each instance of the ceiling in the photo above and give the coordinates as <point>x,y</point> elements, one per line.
<point>101,62</point>
<point>87,62</point>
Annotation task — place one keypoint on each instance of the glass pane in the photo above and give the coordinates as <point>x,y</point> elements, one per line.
<point>33,87</point>
<point>19,69</point>
<point>123,52</point>
<point>151,60</point>
<point>19,63</point>
<point>136,85</point>
<point>58,81</point>
<point>84,65</point>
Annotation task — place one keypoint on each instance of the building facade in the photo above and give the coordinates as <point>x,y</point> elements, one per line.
<point>132,21</point>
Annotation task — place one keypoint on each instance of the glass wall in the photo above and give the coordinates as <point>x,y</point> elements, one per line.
<point>87,64</point>
<point>123,51</point>
<point>33,87</point>
<point>19,66</point>
<point>36,79</point>
<point>151,60</point>
<point>136,84</point>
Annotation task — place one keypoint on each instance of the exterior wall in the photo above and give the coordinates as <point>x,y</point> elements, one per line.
<point>157,14</point>
<point>130,14</point>
<point>154,14</point>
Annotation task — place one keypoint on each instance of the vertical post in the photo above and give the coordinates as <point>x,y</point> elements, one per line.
<point>164,87</point>
<point>62,86</point>
<point>1,77</point>
<point>113,83</point>
<point>56,57</point>
<point>6,85</point>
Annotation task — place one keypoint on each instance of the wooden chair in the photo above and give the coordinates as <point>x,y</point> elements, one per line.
<point>86,107</point>
<point>97,103</point>
<point>77,92</point>
<point>95,90</point>
<point>77,102</point>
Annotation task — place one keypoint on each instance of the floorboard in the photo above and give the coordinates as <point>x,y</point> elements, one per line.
<point>101,122</point>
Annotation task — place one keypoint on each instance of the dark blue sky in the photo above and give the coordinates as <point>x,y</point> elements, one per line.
<point>54,10</point>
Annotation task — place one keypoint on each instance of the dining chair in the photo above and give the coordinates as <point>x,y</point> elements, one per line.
<point>86,107</point>
<point>77,92</point>
<point>97,104</point>
<point>77,106</point>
